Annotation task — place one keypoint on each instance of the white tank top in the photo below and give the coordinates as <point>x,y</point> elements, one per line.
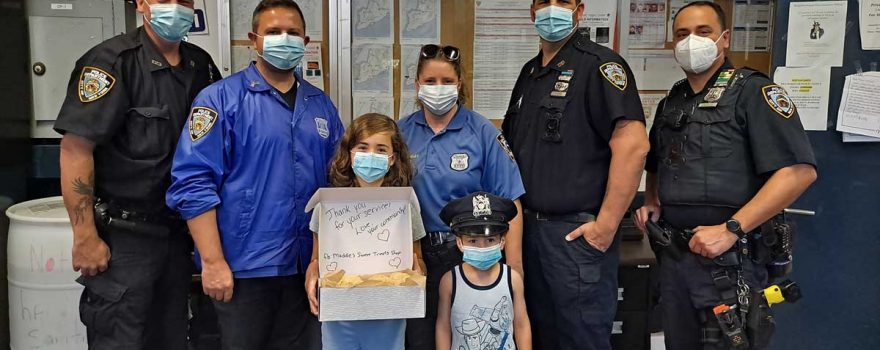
<point>482,317</point>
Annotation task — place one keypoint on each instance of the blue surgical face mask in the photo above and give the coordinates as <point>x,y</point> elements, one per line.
<point>283,51</point>
<point>370,167</point>
<point>482,258</point>
<point>554,23</point>
<point>170,22</point>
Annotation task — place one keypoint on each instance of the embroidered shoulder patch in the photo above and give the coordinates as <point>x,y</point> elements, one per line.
<point>201,120</point>
<point>778,100</point>
<point>504,146</point>
<point>615,74</point>
<point>94,83</point>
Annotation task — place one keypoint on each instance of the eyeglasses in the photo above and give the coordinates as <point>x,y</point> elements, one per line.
<point>451,53</point>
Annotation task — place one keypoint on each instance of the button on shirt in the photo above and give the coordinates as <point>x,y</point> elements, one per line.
<point>470,155</point>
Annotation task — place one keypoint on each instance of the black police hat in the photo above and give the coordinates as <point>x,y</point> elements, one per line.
<point>479,214</point>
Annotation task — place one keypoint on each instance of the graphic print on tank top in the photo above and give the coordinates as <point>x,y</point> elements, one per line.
<point>482,319</point>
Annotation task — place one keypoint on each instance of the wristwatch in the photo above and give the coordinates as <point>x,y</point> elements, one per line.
<point>734,226</point>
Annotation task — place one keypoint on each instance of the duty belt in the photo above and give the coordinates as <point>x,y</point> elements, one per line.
<point>582,217</point>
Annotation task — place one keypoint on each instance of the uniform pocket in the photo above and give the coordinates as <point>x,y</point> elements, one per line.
<point>150,133</point>
<point>100,306</point>
<point>246,217</point>
<point>714,133</point>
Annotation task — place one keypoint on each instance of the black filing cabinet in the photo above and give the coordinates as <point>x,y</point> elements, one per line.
<point>630,330</point>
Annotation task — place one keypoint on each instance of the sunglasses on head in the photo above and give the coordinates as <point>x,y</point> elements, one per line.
<point>451,53</point>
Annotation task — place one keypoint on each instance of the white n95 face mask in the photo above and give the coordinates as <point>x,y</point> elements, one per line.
<point>696,54</point>
<point>438,99</point>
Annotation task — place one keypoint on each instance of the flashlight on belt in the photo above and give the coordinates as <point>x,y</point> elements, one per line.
<point>784,291</point>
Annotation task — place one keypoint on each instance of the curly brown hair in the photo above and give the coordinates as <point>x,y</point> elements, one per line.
<point>399,174</point>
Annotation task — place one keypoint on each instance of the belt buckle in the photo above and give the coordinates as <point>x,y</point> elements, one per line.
<point>541,217</point>
<point>437,238</point>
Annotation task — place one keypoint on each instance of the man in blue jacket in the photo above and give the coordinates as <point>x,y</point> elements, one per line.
<point>257,146</point>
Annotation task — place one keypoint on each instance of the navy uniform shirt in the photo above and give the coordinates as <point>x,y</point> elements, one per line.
<point>470,155</point>
<point>560,120</point>
<point>776,140</point>
<point>125,97</point>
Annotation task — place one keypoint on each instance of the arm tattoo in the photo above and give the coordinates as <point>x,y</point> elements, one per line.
<point>86,190</point>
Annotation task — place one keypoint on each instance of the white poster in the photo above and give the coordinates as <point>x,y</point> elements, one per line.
<point>313,66</point>
<point>751,25</point>
<point>371,67</point>
<point>504,40</point>
<point>363,103</point>
<point>241,14</point>
<point>647,24</point>
<point>816,33</point>
<point>808,88</point>
<point>372,20</point>
<point>408,104</point>
<point>601,18</point>
<point>419,21</point>
<point>859,112</point>
<point>654,69</point>
<point>409,61</point>
<point>869,24</point>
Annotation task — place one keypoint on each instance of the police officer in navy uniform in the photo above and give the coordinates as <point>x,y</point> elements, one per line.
<point>728,153</point>
<point>127,101</point>
<point>576,127</point>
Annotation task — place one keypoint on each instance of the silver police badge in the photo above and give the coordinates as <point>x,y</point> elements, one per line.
<point>94,83</point>
<point>778,100</point>
<point>459,161</point>
<point>201,121</point>
<point>321,125</point>
<point>614,73</point>
<point>481,205</point>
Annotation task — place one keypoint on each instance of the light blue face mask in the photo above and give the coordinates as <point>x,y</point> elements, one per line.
<point>283,51</point>
<point>370,167</point>
<point>170,22</point>
<point>554,23</point>
<point>482,258</point>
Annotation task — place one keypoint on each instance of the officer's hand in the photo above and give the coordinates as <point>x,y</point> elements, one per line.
<point>645,213</point>
<point>711,241</point>
<point>596,236</point>
<point>90,255</point>
<point>312,286</point>
<point>217,280</point>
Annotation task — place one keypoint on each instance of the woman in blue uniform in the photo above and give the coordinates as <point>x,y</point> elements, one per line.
<point>455,151</point>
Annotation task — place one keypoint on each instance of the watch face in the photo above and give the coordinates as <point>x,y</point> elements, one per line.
<point>733,226</point>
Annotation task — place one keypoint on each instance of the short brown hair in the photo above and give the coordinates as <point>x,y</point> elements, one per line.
<point>266,5</point>
<point>399,174</point>
<point>722,19</point>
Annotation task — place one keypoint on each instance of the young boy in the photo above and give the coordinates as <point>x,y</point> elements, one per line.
<point>481,301</point>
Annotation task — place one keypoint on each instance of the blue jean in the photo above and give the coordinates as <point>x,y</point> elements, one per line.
<point>363,335</point>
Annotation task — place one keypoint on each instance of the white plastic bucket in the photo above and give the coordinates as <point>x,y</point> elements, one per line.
<point>43,294</point>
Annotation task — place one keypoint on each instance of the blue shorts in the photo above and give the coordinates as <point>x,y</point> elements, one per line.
<point>363,335</point>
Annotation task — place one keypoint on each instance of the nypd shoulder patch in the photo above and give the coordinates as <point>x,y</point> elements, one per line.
<point>94,83</point>
<point>615,74</point>
<point>201,120</point>
<point>778,100</point>
<point>504,146</point>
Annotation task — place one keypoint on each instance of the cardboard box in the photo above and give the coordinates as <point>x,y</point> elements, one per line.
<point>366,231</point>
